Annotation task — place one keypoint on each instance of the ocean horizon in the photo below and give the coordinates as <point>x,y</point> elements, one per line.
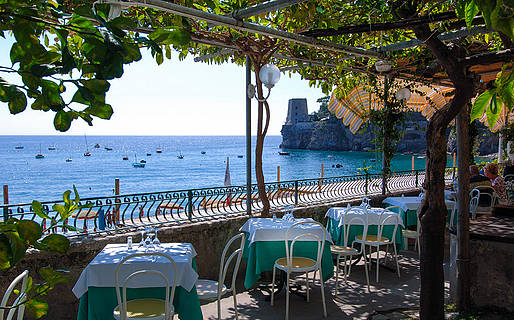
<point>203,164</point>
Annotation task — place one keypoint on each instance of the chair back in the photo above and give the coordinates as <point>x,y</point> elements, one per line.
<point>23,277</point>
<point>365,202</point>
<point>508,177</point>
<point>486,198</point>
<point>306,235</point>
<point>347,222</point>
<point>473,205</point>
<point>397,209</point>
<point>225,263</point>
<point>121,293</point>
<point>385,219</point>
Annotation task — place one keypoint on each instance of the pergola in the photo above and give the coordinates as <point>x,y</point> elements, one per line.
<point>331,43</point>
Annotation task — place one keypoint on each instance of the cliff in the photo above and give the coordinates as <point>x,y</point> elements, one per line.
<point>304,131</point>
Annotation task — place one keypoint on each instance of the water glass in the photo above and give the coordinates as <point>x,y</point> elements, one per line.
<point>142,243</point>
<point>155,240</point>
<point>129,243</point>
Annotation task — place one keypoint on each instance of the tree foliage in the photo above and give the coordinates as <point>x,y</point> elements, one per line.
<point>18,236</point>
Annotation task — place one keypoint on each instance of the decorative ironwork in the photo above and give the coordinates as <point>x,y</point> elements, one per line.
<point>132,211</point>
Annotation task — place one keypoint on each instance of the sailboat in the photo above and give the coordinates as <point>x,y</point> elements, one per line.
<point>87,153</point>
<point>39,155</point>
<point>159,150</point>
<point>52,147</point>
<point>180,156</point>
<point>137,164</point>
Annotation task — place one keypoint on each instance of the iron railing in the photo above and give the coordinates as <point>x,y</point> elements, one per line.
<point>119,212</point>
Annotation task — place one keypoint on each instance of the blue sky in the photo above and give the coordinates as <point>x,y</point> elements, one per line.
<point>175,98</point>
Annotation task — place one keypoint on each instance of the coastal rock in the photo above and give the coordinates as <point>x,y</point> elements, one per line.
<point>304,131</point>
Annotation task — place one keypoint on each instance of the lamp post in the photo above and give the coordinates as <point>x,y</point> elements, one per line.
<point>269,76</point>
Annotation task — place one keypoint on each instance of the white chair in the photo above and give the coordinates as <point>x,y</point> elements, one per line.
<point>345,251</point>
<point>291,264</point>
<point>379,240</point>
<point>473,205</point>
<point>410,234</point>
<point>365,202</point>
<point>23,277</point>
<point>144,309</point>
<point>486,199</point>
<point>209,290</point>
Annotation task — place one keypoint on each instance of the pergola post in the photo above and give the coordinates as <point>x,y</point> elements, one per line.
<point>463,152</point>
<point>248,138</point>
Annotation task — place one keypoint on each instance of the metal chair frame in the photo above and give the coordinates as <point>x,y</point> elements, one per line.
<point>16,306</point>
<point>121,293</point>
<point>290,269</point>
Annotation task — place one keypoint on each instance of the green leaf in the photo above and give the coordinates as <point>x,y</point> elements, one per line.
<point>85,11</point>
<point>48,57</point>
<point>96,85</point>
<point>77,198</point>
<point>176,37</point>
<point>493,111</point>
<point>37,307</point>
<point>159,58</point>
<point>62,121</point>
<point>57,243</point>
<point>5,252</point>
<point>39,210</point>
<point>44,70</point>
<point>470,13</point>
<point>29,231</point>
<point>53,276</point>
<point>30,80</point>
<point>17,99</point>
<point>60,209</point>
<point>480,104</point>
<point>102,111</point>
<point>18,247</point>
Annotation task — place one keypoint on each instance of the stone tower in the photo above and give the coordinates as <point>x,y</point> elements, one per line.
<point>297,111</point>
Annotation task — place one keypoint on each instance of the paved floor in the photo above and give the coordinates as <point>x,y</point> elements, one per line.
<point>352,302</point>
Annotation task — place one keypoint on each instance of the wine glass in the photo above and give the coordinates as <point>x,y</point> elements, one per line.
<point>155,240</point>
<point>150,234</point>
<point>142,243</point>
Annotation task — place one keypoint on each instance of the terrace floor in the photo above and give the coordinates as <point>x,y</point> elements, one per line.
<point>391,298</point>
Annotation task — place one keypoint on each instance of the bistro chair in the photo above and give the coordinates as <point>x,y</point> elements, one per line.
<point>209,290</point>
<point>380,240</point>
<point>412,234</point>
<point>144,309</point>
<point>345,251</point>
<point>486,199</point>
<point>291,264</point>
<point>473,205</point>
<point>23,277</point>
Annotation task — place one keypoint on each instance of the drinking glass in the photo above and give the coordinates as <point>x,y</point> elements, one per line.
<point>150,234</point>
<point>156,241</point>
<point>142,243</point>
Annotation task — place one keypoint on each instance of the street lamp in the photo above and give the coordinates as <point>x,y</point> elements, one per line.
<point>269,76</point>
<point>403,94</point>
<point>383,66</point>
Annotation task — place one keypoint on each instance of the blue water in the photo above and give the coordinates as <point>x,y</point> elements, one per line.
<point>46,179</point>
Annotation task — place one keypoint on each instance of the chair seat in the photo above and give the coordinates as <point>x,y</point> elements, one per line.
<point>148,309</point>
<point>343,250</point>
<point>410,233</point>
<point>372,238</point>
<point>299,264</point>
<point>207,290</point>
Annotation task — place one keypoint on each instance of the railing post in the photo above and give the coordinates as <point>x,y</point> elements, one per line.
<point>384,182</point>
<point>6,201</point>
<point>190,204</point>
<point>417,173</point>
<point>366,184</point>
<point>296,192</point>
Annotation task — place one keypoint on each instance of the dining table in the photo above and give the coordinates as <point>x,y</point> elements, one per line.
<point>410,205</point>
<point>337,216</point>
<point>96,285</point>
<point>265,243</point>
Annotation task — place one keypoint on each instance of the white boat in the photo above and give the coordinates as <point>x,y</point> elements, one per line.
<point>68,160</point>
<point>52,148</point>
<point>87,153</point>
<point>39,155</point>
<point>138,164</point>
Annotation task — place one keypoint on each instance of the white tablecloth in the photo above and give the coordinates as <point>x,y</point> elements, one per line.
<point>371,215</point>
<point>411,203</point>
<point>100,271</point>
<point>264,229</point>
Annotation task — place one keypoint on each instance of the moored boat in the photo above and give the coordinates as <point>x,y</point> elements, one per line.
<point>68,160</point>
<point>125,158</point>
<point>107,148</point>
<point>18,147</point>
<point>39,155</point>
<point>52,148</point>
<point>159,150</point>
<point>284,153</point>
<point>97,145</point>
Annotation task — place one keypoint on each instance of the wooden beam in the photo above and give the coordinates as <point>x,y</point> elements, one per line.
<point>506,55</point>
<point>263,8</point>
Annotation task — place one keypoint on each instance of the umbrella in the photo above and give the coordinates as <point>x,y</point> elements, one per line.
<point>359,102</point>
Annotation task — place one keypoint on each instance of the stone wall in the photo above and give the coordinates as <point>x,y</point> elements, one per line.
<point>492,273</point>
<point>208,238</point>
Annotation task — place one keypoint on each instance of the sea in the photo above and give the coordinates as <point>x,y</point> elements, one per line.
<point>203,164</point>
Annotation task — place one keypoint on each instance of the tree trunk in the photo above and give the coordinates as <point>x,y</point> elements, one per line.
<point>261,134</point>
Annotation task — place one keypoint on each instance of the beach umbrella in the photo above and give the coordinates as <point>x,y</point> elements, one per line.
<point>227,181</point>
<point>359,102</point>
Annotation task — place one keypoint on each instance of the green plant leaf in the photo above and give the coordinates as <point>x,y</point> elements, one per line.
<point>470,13</point>
<point>62,121</point>
<point>57,243</point>
<point>39,210</point>
<point>5,252</point>
<point>37,307</point>
<point>29,231</point>
<point>18,247</point>
<point>493,111</point>
<point>60,209</point>
<point>102,111</point>
<point>480,104</point>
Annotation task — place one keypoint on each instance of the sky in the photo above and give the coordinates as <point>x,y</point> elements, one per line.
<point>175,98</point>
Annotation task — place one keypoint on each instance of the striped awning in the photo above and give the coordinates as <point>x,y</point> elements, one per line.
<point>359,102</point>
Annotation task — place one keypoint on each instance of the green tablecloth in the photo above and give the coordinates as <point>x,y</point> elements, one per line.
<point>337,235</point>
<point>260,256</point>
<point>98,303</point>
<point>410,219</point>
